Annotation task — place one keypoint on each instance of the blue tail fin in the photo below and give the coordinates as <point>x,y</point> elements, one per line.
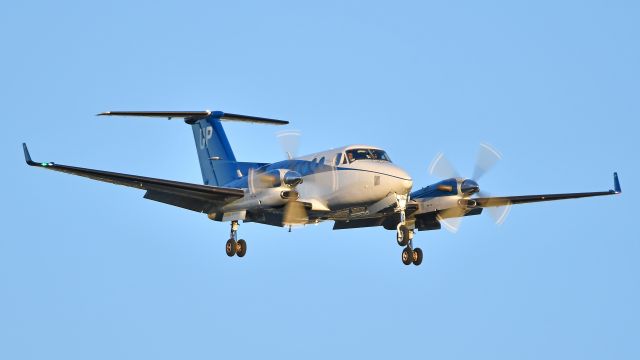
<point>217,161</point>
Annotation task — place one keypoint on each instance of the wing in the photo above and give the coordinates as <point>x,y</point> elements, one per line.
<point>200,198</point>
<point>512,200</point>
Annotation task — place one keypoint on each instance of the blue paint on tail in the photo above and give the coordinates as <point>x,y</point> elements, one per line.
<point>217,161</point>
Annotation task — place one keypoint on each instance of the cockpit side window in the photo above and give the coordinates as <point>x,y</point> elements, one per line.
<point>379,155</point>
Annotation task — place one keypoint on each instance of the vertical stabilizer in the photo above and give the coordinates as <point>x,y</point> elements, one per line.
<point>217,161</point>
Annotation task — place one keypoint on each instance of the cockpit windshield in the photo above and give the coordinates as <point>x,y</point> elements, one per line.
<point>367,154</point>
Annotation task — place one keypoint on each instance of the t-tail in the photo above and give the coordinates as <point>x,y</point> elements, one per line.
<point>218,164</point>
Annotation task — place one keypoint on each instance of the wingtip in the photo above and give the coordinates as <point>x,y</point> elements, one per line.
<point>27,156</point>
<point>105,113</point>
<point>616,184</point>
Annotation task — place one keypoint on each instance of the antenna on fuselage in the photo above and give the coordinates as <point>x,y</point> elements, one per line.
<point>289,142</point>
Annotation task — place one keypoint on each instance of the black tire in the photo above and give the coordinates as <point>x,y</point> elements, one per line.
<point>230,247</point>
<point>407,256</point>
<point>417,256</point>
<point>241,248</point>
<point>403,240</point>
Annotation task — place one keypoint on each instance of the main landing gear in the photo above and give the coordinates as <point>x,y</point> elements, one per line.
<point>235,247</point>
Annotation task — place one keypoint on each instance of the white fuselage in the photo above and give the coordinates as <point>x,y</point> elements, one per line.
<point>350,184</point>
<point>331,182</point>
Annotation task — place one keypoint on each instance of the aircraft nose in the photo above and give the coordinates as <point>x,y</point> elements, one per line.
<point>404,178</point>
<point>407,184</point>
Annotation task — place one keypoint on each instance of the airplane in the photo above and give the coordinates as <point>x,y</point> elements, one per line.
<point>355,186</point>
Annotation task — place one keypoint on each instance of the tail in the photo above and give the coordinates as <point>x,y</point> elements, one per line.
<point>218,164</point>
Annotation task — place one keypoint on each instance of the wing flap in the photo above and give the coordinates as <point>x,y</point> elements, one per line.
<point>183,201</point>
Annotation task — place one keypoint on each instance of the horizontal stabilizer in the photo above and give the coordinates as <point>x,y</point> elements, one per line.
<point>192,116</point>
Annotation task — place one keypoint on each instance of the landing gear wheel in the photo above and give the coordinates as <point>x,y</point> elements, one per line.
<point>231,247</point>
<point>407,256</point>
<point>241,248</point>
<point>417,256</point>
<point>403,235</point>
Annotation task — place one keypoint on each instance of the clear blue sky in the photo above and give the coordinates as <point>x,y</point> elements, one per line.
<point>89,270</point>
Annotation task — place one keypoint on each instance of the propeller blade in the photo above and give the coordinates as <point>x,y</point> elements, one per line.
<point>294,214</point>
<point>451,218</point>
<point>261,181</point>
<point>488,156</point>
<point>289,142</point>
<point>497,211</point>
<point>442,168</point>
<point>250,181</point>
<point>500,213</point>
<point>334,179</point>
<point>322,183</point>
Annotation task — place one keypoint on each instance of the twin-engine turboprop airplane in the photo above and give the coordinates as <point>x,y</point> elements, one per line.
<point>354,186</point>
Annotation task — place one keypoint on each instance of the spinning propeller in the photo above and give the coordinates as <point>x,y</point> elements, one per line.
<point>287,180</point>
<point>441,167</point>
<point>295,212</point>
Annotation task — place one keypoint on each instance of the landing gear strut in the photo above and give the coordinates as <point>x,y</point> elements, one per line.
<point>234,246</point>
<point>404,235</point>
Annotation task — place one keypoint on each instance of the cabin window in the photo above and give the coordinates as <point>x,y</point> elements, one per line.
<point>321,162</point>
<point>338,159</point>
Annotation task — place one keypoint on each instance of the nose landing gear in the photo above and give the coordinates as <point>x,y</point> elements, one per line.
<point>404,234</point>
<point>233,246</point>
<point>409,253</point>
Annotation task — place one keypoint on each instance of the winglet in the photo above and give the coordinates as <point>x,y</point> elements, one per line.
<point>27,157</point>
<point>616,183</point>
